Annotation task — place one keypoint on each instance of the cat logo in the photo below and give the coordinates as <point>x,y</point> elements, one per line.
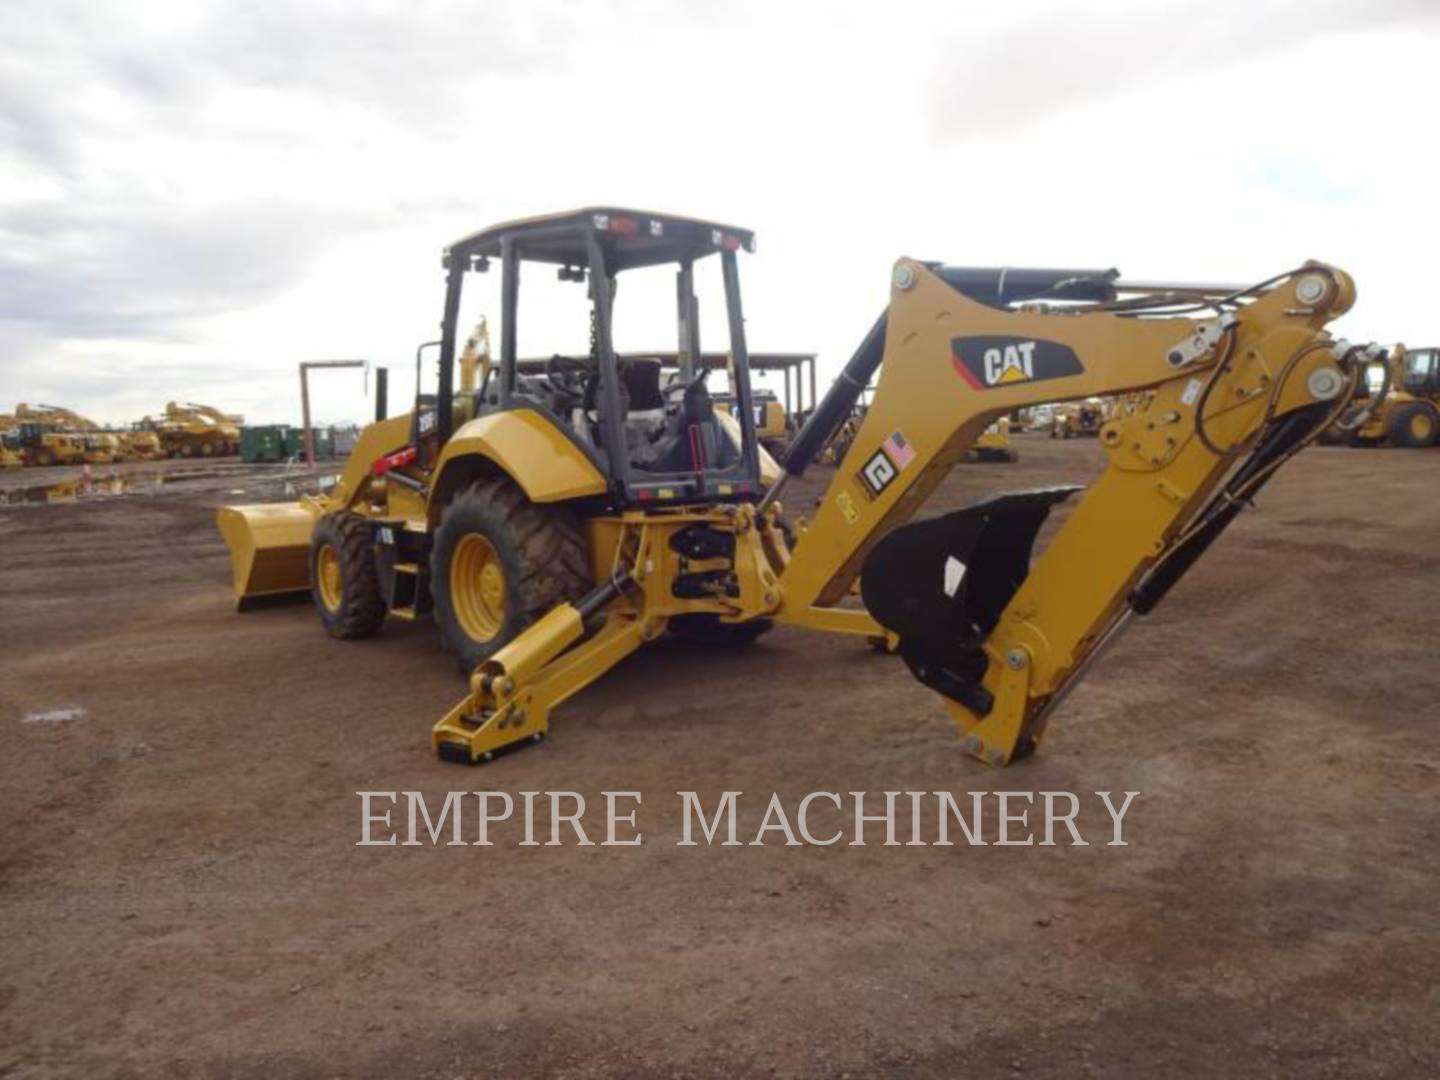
<point>988,362</point>
<point>1013,363</point>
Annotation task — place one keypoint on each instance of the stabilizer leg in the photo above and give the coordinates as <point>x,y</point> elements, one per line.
<point>512,693</point>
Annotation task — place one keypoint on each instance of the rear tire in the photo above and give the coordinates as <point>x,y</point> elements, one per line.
<point>343,581</point>
<point>1414,425</point>
<point>499,563</point>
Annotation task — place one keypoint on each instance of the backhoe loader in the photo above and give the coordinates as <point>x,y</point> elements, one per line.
<point>554,524</point>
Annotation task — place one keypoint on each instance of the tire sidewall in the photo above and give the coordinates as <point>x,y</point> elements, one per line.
<point>464,516</point>
<point>360,613</point>
<point>1400,426</point>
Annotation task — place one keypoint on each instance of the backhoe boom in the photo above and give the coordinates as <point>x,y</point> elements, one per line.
<point>1230,395</point>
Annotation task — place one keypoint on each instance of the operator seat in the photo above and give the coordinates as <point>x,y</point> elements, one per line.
<point>674,453</point>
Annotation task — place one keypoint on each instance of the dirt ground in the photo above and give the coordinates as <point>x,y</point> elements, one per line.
<point>181,891</point>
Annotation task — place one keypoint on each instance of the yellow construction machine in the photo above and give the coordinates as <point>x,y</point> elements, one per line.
<point>552,525</point>
<point>11,456</point>
<point>1402,405</point>
<point>141,444</point>
<point>192,430</point>
<point>993,444</point>
<point>1075,419</point>
<point>97,445</point>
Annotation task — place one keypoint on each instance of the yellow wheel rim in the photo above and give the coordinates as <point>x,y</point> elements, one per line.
<point>327,577</point>
<point>477,587</point>
<point>1420,426</point>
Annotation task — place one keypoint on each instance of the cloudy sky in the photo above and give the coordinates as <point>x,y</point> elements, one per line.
<point>196,196</point>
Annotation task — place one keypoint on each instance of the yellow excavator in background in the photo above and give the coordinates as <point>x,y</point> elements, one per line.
<point>192,430</point>
<point>554,524</point>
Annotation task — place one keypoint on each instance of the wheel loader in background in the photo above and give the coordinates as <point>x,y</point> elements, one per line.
<point>192,430</point>
<point>1402,406</point>
<point>11,456</point>
<point>61,432</point>
<point>553,524</point>
<point>42,447</point>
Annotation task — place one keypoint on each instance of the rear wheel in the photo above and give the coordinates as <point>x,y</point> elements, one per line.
<point>1414,425</point>
<point>499,563</point>
<point>343,581</point>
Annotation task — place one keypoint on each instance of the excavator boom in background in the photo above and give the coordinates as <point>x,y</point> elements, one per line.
<point>554,525</point>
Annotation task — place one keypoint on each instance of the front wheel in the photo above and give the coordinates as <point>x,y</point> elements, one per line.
<point>500,562</point>
<point>343,581</point>
<point>1414,425</point>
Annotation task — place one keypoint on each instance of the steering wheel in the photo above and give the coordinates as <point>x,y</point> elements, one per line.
<point>567,374</point>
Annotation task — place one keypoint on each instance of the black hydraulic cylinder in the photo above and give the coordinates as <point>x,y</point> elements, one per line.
<point>602,594</point>
<point>1222,511</point>
<point>998,286</point>
<point>382,393</point>
<point>838,400</point>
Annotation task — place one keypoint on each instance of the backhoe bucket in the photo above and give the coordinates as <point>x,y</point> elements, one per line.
<point>941,584</point>
<point>269,548</point>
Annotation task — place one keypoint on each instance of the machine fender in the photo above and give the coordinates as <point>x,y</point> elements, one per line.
<point>528,448</point>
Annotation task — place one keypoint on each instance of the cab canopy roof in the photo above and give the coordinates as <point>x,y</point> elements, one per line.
<point>631,238</point>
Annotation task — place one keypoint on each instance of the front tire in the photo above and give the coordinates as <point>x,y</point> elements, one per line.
<point>1414,425</point>
<point>499,563</point>
<point>343,581</point>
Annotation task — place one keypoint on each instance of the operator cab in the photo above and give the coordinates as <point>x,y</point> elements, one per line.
<point>1422,372</point>
<point>655,433</point>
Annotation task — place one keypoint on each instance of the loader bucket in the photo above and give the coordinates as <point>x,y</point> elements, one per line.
<point>269,548</point>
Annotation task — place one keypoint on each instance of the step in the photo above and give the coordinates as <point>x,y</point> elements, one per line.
<point>411,568</point>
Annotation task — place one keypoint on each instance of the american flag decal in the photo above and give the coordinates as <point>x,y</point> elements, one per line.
<point>898,450</point>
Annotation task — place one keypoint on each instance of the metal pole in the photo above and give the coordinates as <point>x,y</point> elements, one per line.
<point>305,414</point>
<point>305,366</point>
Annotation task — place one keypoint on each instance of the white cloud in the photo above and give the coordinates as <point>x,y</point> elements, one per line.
<point>194,197</point>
